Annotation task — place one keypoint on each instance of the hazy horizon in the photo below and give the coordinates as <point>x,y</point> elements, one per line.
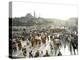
<point>20,9</point>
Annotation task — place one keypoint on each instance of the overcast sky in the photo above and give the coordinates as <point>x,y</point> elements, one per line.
<point>58,11</point>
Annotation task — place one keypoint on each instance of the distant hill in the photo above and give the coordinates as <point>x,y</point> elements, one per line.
<point>28,20</point>
<point>72,21</point>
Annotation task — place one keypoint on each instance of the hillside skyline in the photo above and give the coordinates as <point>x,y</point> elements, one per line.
<point>44,10</point>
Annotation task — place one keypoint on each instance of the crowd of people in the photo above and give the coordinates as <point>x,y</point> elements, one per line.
<point>43,43</point>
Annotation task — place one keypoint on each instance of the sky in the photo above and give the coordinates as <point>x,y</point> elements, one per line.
<point>45,10</point>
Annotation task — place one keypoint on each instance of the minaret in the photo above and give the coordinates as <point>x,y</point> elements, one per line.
<point>39,15</point>
<point>34,14</point>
